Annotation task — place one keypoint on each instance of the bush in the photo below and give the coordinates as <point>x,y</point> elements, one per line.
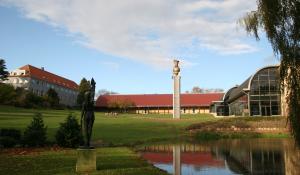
<point>14,133</point>
<point>10,137</point>
<point>206,135</point>
<point>52,98</point>
<point>33,100</point>
<point>21,94</point>
<point>69,133</point>
<point>35,134</point>
<point>7,94</point>
<point>8,142</point>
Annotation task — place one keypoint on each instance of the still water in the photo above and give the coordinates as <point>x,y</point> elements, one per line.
<point>226,157</point>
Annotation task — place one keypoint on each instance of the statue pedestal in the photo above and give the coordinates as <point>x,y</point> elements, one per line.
<point>86,160</point>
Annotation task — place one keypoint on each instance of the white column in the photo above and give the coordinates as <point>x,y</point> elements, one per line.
<point>176,97</point>
<point>176,90</point>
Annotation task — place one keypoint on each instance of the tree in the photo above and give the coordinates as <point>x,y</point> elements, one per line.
<point>69,133</point>
<point>196,90</point>
<point>35,133</point>
<point>121,105</point>
<point>113,104</point>
<point>125,104</point>
<point>7,94</point>
<point>20,97</point>
<point>83,87</point>
<point>52,98</point>
<point>3,72</point>
<point>104,92</point>
<point>280,20</point>
<point>33,100</point>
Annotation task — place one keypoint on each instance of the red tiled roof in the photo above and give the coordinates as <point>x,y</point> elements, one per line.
<point>40,74</point>
<point>191,158</point>
<point>160,100</point>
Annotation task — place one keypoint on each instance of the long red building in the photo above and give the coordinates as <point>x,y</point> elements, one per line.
<point>157,103</point>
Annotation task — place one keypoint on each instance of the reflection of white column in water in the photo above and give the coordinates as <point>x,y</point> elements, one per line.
<point>176,160</point>
<point>176,93</point>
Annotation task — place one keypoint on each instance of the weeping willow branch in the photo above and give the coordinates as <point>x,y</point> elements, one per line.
<point>280,20</point>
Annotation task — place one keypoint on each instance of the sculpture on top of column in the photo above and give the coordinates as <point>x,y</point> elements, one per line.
<point>176,68</point>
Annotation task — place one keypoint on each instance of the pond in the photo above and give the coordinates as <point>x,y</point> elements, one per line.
<point>226,157</point>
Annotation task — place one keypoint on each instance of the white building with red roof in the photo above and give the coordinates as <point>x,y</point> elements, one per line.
<point>39,81</point>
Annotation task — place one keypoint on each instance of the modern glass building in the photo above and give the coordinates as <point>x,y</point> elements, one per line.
<point>259,95</point>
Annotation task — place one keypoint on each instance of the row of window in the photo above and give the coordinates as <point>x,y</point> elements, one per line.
<point>49,85</point>
<point>63,98</point>
<point>169,111</point>
<point>265,108</point>
<point>19,81</point>
<point>265,96</point>
<point>265,93</point>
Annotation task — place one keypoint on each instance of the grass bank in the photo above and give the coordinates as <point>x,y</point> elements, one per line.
<point>112,161</point>
<point>240,127</point>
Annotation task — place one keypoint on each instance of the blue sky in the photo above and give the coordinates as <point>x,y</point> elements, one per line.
<point>128,46</point>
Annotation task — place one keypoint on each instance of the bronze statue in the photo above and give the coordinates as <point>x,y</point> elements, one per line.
<point>87,114</point>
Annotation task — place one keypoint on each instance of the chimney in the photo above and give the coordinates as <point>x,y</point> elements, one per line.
<point>42,68</point>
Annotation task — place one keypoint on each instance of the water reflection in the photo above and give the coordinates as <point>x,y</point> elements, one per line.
<point>177,160</point>
<point>251,156</point>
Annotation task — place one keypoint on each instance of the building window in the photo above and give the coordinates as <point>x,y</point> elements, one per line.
<point>265,93</point>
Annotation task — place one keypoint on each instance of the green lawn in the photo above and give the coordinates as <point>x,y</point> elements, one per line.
<point>124,129</point>
<point>110,161</point>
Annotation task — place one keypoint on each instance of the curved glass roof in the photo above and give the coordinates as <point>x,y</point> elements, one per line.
<point>237,91</point>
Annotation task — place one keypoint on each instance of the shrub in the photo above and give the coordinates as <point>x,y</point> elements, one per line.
<point>35,134</point>
<point>69,133</point>
<point>14,133</point>
<point>33,100</point>
<point>8,142</point>
<point>52,98</point>
<point>206,135</point>
<point>21,94</point>
<point>7,94</point>
<point>10,137</point>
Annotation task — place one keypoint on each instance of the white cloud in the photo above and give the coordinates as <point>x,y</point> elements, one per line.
<point>149,31</point>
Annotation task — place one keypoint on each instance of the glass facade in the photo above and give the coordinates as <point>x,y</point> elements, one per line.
<point>262,98</point>
<point>265,93</point>
<point>239,107</point>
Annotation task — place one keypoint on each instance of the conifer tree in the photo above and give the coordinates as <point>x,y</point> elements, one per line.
<point>35,133</point>
<point>83,87</point>
<point>3,71</point>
